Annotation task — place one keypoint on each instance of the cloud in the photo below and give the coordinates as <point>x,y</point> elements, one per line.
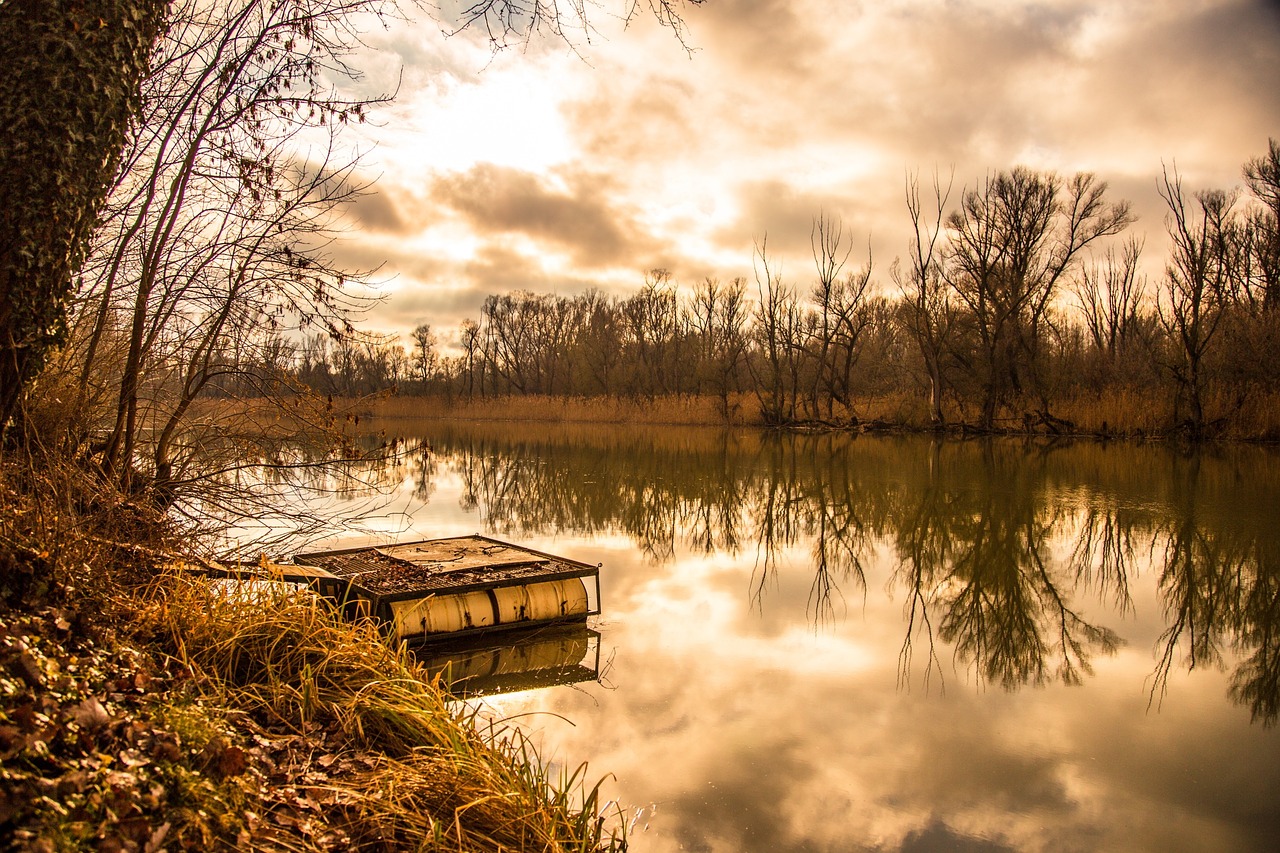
<point>780,218</point>
<point>937,837</point>
<point>1197,84</point>
<point>553,172</point>
<point>653,116</point>
<point>577,217</point>
<point>377,210</point>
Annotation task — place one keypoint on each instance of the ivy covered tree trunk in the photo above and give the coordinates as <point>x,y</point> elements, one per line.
<point>69,76</point>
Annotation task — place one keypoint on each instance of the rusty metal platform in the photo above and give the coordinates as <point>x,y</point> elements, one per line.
<point>442,566</point>
<point>435,589</point>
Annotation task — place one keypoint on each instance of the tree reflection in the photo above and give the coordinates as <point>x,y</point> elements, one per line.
<point>923,543</point>
<point>1005,552</point>
<point>974,549</point>
<point>275,494</point>
<point>661,494</point>
<point>837,513</point>
<point>777,522</point>
<point>1256,680</point>
<point>1220,590</point>
<point>810,491</point>
<point>1103,553</point>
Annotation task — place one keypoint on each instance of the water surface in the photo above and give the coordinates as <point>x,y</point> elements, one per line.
<point>835,643</point>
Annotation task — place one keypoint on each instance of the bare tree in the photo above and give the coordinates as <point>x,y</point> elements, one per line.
<point>1013,240</point>
<point>508,339</point>
<point>651,327</point>
<point>1262,176</point>
<point>1111,295</point>
<point>215,234</point>
<point>776,340</point>
<point>425,358</point>
<point>717,318</point>
<point>926,312</point>
<point>1198,284</point>
<point>598,354</point>
<point>830,253</point>
<point>840,315</point>
<point>469,336</point>
<point>510,23</point>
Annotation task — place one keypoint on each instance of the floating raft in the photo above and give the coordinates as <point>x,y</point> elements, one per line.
<point>449,588</point>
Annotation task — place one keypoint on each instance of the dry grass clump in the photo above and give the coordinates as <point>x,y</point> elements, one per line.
<point>1117,412</point>
<point>1150,412</point>
<point>408,770</point>
<point>1254,416</point>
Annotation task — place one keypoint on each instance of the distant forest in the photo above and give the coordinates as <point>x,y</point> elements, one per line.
<point>1021,305</point>
<point>209,303</point>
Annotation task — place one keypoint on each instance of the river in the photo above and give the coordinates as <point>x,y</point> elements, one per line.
<point>830,642</point>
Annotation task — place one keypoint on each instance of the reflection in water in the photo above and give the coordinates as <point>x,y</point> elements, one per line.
<point>1219,585</point>
<point>273,495</point>
<point>998,545</point>
<point>515,660</point>
<point>1105,617</point>
<point>976,553</point>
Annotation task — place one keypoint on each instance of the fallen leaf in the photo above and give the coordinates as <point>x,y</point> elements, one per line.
<point>166,750</point>
<point>157,838</point>
<point>232,761</point>
<point>90,714</point>
<point>26,667</point>
<point>121,781</point>
<point>73,782</point>
<point>133,758</point>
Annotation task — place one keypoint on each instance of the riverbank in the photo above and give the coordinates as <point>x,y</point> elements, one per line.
<point>142,708</point>
<point>1112,414</point>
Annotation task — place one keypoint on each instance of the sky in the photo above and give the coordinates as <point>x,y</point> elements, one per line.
<point>552,169</point>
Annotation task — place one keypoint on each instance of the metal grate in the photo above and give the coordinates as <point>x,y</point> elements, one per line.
<point>442,565</point>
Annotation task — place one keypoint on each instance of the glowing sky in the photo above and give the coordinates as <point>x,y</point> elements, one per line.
<point>547,171</point>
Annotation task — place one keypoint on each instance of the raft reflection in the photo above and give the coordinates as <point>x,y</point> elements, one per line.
<point>1014,554</point>
<point>508,661</point>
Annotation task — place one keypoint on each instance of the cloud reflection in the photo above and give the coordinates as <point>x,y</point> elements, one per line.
<point>754,726</point>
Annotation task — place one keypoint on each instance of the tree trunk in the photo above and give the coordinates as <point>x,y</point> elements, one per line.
<point>68,87</point>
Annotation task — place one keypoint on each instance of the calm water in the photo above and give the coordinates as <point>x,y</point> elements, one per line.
<point>829,643</point>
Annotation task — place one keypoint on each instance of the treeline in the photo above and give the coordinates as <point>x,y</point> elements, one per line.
<point>210,276</point>
<point>1019,303</point>
<point>1022,306</point>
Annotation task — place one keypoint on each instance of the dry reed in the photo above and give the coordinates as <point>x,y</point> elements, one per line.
<point>428,779</point>
<point>1113,412</point>
<point>683,410</point>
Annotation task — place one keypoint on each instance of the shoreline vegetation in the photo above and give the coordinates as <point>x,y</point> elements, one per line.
<point>1108,415</point>
<point>143,707</point>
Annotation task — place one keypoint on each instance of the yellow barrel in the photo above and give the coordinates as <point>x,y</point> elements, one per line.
<point>441,614</point>
<point>537,602</point>
<point>507,605</point>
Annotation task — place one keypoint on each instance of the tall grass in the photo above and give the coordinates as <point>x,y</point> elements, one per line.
<point>1251,414</point>
<point>682,410</point>
<point>431,777</point>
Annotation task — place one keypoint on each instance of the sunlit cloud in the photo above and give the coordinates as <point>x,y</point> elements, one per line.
<point>584,170</point>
